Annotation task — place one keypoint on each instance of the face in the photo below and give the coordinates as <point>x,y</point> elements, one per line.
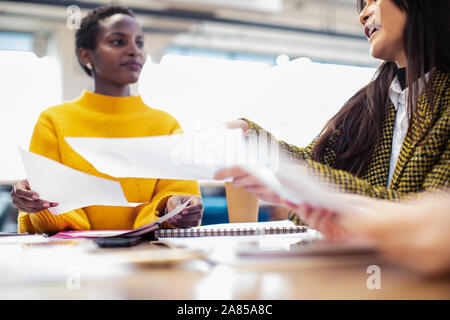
<point>384,23</point>
<point>119,54</point>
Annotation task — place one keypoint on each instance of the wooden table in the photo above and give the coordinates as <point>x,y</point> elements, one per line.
<point>46,272</point>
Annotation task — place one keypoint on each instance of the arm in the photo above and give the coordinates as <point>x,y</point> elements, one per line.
<point>293,152</point>
<point>45,143</point>
<point>436,180</point>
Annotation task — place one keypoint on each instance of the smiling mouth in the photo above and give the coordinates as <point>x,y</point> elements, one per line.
<point>370,29</point>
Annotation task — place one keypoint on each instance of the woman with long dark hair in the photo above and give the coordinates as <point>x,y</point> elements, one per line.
<point>391,139</point>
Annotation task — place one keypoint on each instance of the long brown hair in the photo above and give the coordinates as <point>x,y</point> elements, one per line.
<point>358,124</point>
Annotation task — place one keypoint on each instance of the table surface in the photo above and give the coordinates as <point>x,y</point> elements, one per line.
<point>80,270</point>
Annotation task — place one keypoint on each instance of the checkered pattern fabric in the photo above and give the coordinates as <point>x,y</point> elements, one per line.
<point>423,164</point>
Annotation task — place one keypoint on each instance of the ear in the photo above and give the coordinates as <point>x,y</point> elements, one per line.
<point>84,55</point>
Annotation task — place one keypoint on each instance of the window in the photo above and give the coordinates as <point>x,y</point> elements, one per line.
<point>29,85</point>
<point>293,100</point>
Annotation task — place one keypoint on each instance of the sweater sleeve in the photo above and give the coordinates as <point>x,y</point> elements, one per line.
<point>45,143</point>
<point>164,189</point>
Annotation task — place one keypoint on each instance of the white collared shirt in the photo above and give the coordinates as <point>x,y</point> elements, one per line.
<point>399,99</point>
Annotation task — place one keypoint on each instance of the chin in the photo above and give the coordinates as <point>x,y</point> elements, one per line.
<point>379,54</point>
<point>384,50</point>
<point>130,80</point>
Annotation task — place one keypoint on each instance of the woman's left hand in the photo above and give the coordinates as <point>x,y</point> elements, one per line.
<point>242,178</point>
<point>318,218</point>
<point>191,216</point>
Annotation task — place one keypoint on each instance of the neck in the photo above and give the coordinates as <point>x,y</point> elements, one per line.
<point>111,89</point>
<point>401,61</point>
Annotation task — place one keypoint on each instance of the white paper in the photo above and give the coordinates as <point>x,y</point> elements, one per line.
<point>70,188</point>
<point>23,239</point>
<point>189,156</point>
<point>296,184</point>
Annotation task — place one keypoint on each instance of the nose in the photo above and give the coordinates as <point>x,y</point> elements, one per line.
<point>364,15</point>
<point>133,49</point>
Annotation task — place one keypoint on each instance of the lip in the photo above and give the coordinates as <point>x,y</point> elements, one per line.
<point>135,65</point>
<point>371,29</point>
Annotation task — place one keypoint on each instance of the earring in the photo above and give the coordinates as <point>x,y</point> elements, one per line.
<point>89,65</point>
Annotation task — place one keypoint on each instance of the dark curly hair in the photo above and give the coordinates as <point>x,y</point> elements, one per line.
<point>85,35</point>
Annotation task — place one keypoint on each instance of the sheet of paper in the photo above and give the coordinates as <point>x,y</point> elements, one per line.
<point>70,188</point>
<point>189,156</point>
<point>294,183</point>
<point>20,238</point>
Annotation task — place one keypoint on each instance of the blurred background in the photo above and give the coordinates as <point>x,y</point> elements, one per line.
<point>288,65</point>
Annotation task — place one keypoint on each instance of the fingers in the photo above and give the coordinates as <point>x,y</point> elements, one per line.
<point>326,225</point>
<point>172,203</point>
<point>192,209</point>
<point>177,200</point>
<point>247,181</point>
<point>290,205</point>
<point>187,220</point>
<point>242,124</point>
<point>191,216</point>
<point>22,189</point>
<point>304,211</point>
<point>243,179</point>
<point>265,194</point>
<point>28,200</point>
<point>32,206</point>
<point>195,201</point>
<point>320,219</point>
<point>233,172</point>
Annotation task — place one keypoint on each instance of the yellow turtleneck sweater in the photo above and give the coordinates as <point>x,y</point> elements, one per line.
<point>95,115</point>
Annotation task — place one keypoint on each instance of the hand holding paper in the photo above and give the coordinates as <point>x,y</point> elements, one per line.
<point>290,183</point>
<point>28,200</point>
<point>191,216</point>
<point>293,186</point>
<point>70,188</point>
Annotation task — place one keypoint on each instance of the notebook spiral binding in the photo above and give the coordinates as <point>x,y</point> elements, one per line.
<point>211,232</point>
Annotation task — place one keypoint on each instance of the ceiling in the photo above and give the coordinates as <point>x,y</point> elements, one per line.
<point>323,30</point>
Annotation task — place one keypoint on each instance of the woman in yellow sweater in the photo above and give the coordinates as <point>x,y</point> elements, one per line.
<point>110,48</point>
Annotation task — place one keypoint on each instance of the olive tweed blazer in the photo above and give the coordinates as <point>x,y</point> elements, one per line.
<point>424,161</point>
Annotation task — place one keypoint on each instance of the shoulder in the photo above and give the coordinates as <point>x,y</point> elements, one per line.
<point>163,118</point>
<point>162,115</point>
<point>49,115</point>
<point>441,82</point>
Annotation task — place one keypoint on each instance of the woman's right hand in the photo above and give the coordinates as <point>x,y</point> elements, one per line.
<point>28,200</point>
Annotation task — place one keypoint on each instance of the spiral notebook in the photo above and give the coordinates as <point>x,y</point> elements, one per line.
<point>233,229</point>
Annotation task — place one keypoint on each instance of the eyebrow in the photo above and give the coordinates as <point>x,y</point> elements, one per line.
<point>118,33</point>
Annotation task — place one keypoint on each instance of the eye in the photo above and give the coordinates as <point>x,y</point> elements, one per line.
<point>140,43</point>
<point>116,42</point>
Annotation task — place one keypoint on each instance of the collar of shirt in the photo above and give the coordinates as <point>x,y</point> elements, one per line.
<point>399,96</point>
